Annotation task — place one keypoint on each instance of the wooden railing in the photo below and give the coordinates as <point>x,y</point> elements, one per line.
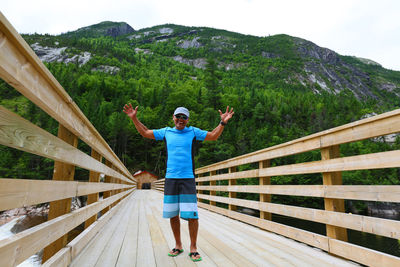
<point>22,69</point>
<point>334,193</point>
<point>158,185</point>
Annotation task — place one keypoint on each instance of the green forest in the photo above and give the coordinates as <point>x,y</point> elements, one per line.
<point>271,106</point>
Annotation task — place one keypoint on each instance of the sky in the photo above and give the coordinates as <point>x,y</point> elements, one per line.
<point>363,28</point>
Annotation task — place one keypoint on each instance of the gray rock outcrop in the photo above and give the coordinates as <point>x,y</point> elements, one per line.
<point>107,69</point>
<point>197,63</point>
<point>54,54</point>
<point>327,71</point>
<point>166,30</point>
<point>185,44</point>
<point>121,29</point>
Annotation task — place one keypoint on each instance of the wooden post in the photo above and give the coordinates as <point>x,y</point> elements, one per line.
<point>62,172</point>
<point>333,178</point>
<point>213,193</point>
<point>114,181</point>
<point>200,183</point>
<point>265,197</point>
<point>92,198</point>
<point>232,194</point>
<point>106,194</point>
<point>119,181</point>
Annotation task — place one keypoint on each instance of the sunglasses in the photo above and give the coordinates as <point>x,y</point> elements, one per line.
<point>181,116</point>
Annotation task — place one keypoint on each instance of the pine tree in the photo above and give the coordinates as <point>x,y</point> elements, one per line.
<point>212,83</point>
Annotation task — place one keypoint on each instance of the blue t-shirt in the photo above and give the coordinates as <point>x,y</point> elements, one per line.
<point>180,149</point>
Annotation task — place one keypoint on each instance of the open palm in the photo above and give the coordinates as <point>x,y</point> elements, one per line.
<point>128,109</point>
<point>225,117</point>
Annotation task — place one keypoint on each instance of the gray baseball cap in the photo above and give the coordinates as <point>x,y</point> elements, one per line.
<point>182,110</point>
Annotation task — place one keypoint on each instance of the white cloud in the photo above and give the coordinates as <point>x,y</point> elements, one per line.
<point>350,27</point>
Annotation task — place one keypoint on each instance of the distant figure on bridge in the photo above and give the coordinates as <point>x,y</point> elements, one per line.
<point>180,186</point>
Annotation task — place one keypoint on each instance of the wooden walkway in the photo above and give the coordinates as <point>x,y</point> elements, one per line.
<point>137,235</point>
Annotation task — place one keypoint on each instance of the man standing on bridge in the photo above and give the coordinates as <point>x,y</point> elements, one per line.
<point>180,186</point>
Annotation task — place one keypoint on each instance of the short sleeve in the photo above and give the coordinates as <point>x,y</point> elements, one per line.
<point>159,134</point>
<point>200,134</point>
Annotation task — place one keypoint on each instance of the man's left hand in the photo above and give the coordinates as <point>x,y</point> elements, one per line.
<point>225,117</point>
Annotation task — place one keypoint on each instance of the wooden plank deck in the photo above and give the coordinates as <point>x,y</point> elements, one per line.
<point>137,235</point>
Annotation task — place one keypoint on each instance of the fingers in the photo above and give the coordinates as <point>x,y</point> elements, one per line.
<point>129,109</point>
<point>227,110</point>
<point>128,106</point>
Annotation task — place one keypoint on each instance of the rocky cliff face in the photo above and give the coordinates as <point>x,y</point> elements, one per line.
<point>55,54</point>
<point>325,70</point>
<point>105,28</point>
<point>121,29</point>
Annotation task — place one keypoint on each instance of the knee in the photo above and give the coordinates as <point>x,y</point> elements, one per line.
<point>176,218</point>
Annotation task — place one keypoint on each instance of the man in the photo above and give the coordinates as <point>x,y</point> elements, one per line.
<point>180,186</point>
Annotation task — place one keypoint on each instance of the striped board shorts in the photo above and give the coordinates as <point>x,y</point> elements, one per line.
<point>180,198</point>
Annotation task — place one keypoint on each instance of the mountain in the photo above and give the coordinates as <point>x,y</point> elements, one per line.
<point>309,66</point>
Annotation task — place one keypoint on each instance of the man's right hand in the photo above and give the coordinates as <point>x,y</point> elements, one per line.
<point>128,109</point>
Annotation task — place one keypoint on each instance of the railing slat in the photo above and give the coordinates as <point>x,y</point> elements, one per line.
<point>386,193</point>
<point>389,159</point>
<point>362,255</point>
<point>21,134</point>
<point>15,193</point>
<point>86,188</point>
<point>228,176</point>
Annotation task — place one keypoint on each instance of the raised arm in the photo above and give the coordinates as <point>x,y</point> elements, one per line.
<point>225,117</point>
<point>143,130</point>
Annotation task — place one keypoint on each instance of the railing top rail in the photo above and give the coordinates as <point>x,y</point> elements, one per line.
<point>379,125</point>
<point>22,69</point>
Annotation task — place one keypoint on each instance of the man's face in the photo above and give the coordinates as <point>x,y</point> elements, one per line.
<point>180,121</point>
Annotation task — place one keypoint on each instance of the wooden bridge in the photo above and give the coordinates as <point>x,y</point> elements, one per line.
<point>130,230</point>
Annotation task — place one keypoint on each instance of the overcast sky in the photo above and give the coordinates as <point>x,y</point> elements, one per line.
<point>362,28</point>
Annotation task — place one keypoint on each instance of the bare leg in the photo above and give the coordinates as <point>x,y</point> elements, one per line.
<point>193,230</point>
<point>176,229</point>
